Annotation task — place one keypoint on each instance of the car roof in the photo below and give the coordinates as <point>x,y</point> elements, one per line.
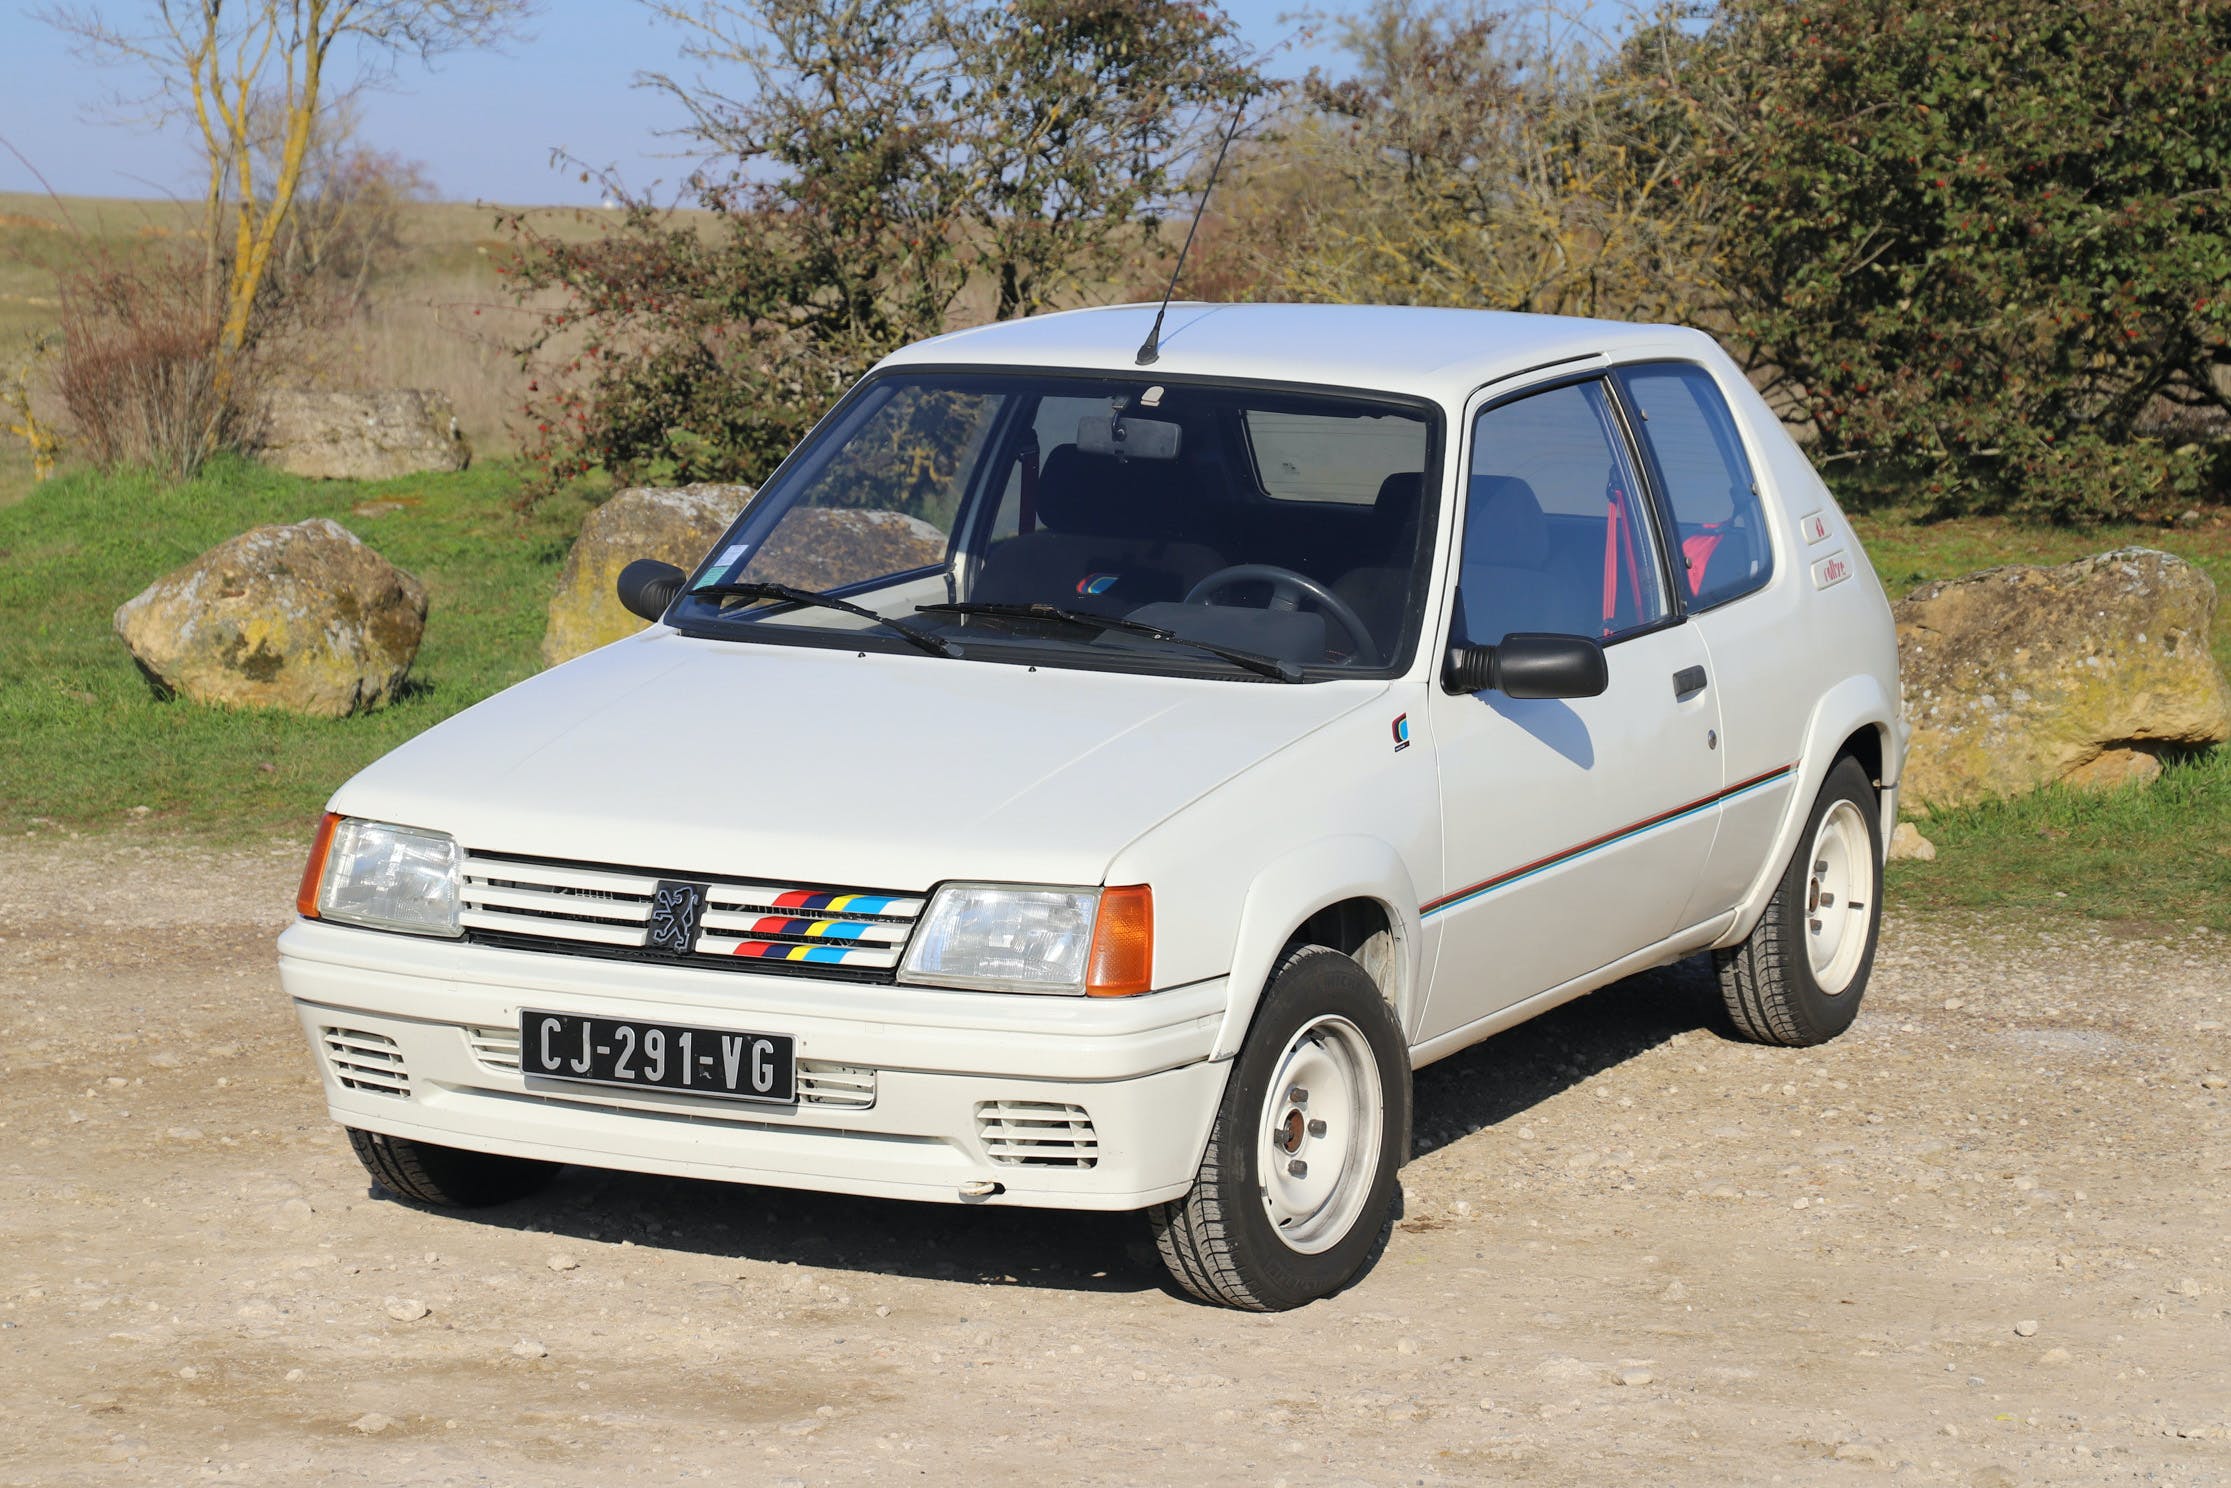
<point>1420,350</point>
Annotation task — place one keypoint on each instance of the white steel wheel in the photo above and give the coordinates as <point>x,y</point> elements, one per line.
<point>1797,978</point>
<point>1299,1181</point>
<point>1839,897</point>
<point>1320,1132</point>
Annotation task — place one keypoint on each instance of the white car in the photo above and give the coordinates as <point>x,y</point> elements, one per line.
<point>1097,785</point>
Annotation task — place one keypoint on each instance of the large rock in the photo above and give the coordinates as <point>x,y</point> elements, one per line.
<point>304,618</point>
<point>2086,674</point>
<point>361,436</point>
<point>824,547</point>
<point>677,525</point>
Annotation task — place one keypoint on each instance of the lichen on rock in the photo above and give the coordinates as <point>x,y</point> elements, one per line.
<point>674,524</point>
<point>303,618</point>
<point>2083,674</point>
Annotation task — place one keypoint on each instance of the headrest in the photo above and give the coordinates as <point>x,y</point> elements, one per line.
<point>1394,511</point>
<point>1505,525</point>
<point>1102,496</point>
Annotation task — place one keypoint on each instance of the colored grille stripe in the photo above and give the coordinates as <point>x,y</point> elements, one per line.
<point>1543,865</point>
<point>841,929</point>
<point>774,951</point>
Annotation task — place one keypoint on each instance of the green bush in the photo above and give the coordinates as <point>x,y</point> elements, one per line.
<point>1987,241</point>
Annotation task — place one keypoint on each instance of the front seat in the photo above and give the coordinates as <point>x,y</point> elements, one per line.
<point>1116,534</point>
<point>1505,578</point>
<point>1379,590</point>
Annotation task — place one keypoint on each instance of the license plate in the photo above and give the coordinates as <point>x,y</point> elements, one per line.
<point>659,1056</point>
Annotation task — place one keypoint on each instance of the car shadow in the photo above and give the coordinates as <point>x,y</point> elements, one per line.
<point>1485,1086</point>
<point>1519,1068</point>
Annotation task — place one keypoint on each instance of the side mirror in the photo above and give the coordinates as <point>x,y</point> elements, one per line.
<point>648,586</point>
<point>1529,666</point>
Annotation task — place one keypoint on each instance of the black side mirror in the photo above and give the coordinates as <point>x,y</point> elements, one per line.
<point>648,586</point>
<point>1529,666</point>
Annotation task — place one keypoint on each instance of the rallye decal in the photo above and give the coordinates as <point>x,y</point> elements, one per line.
<point>1594,844</point>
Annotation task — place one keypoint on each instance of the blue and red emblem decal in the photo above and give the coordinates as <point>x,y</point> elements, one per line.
<point>1401,732</point>
<point>1097,583</point>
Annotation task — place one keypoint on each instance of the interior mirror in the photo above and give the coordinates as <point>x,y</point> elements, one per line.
<point>648,586</point>
<point>1132,438</point>
<point>1528,665</point>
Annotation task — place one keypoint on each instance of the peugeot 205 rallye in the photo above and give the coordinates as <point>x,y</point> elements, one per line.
<point>1080,783</point>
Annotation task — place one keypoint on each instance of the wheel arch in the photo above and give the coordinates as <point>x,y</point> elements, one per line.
<point>1856,717</point>
<point>1351,893</point>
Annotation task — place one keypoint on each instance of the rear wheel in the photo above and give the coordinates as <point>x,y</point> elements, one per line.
<point>447,1177</point>
<point>1798,977</point>
<point>1297,1190</point>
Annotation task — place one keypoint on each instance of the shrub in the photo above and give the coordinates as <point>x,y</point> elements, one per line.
<point>138,372</point>
<point>1987,241</point>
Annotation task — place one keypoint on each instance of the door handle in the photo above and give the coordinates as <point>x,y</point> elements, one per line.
<point>1688,682</point>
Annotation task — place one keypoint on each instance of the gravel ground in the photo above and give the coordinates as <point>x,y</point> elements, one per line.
<point>1979,1241</point>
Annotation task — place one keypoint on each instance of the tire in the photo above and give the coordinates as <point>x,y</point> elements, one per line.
<point>1797,979</point>
<point>1253,1237</point>
<point>447,1177</point>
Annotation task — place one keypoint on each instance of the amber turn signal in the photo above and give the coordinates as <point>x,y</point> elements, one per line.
<point>1122,962</point>
<point>313,872</point>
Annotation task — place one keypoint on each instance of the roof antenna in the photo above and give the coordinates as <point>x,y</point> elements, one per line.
<point>1150,350</point>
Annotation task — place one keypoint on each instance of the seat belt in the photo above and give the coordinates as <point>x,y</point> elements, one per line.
<point>1026,518</point>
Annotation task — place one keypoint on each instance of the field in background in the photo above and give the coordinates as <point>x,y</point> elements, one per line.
<point>442,321</point>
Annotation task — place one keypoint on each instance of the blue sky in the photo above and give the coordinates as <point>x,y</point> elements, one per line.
<point>484,124</point>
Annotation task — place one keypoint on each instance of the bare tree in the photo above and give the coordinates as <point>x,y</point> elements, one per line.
<point>227,66</point>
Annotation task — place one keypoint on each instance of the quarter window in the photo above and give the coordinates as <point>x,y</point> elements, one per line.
<point>1556,535</point>
<point>1720,528</point>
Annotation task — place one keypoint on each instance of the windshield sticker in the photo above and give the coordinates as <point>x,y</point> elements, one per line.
<point>1401,732</point>
<point>1097,583</point>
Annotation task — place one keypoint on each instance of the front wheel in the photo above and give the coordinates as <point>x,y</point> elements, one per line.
<point>447,1177</point>
<point>1297,1190</point>
<point>1798,977</point>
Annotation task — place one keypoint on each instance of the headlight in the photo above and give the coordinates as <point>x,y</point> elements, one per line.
<point>1006,938</point>
<point>382,877</point>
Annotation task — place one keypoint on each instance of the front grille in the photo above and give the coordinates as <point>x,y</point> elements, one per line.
<point>820,1083</point>
<point>367,1061</point>
<point>1037,1134</point>
<point>534,904</point>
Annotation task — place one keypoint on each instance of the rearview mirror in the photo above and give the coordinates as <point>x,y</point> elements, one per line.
<point>1132,438</point>
<point>1529,665</point>
<point>648,586</point>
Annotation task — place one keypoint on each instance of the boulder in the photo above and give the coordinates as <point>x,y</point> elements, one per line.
<point>2085,674</point>
<point>823,547</point>
<point>303,618</point>
<point>1907,845</point>
<point>677,525</point>
<point>361,436</point>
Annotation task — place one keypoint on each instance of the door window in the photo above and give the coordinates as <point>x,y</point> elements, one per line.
<point>1720,529</point>
<point>1556,536</point>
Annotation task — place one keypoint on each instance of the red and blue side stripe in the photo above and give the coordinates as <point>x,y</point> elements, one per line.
<point>1558,859</point>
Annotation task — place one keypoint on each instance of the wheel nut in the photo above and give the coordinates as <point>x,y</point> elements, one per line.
<point>1316,1128</point>
<point>1297,1167</point>
<point>1297,1097</point>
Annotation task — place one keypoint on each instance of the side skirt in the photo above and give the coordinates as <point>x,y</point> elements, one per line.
<point>1672,948</point>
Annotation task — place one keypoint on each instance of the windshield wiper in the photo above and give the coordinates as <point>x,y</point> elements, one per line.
<point>1266,666</point>
<point>922,639</point>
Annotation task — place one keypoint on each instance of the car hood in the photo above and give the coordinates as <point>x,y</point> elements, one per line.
<point>833,767</point>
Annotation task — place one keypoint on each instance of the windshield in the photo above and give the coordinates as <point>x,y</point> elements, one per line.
<point>1234,530</point>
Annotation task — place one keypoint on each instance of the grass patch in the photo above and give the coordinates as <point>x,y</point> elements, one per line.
<point>2159,852</point>
<point>83,738</point>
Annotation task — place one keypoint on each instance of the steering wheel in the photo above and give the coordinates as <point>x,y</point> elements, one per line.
<point>1287,589</point>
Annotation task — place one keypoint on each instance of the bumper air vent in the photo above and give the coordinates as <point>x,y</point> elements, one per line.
<point>367,1061</point>
<point>1037,1134</point>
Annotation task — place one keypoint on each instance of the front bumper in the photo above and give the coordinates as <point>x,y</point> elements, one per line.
<point>411,1038</point>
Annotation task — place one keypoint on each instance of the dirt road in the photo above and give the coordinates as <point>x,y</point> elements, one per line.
<point>1979,1241</point>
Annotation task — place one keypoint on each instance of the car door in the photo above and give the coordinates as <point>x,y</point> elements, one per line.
<point>1723,544</point>
<point>1574,830</point>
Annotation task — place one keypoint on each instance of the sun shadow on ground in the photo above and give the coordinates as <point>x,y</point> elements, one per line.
<point>1482,1087</point>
